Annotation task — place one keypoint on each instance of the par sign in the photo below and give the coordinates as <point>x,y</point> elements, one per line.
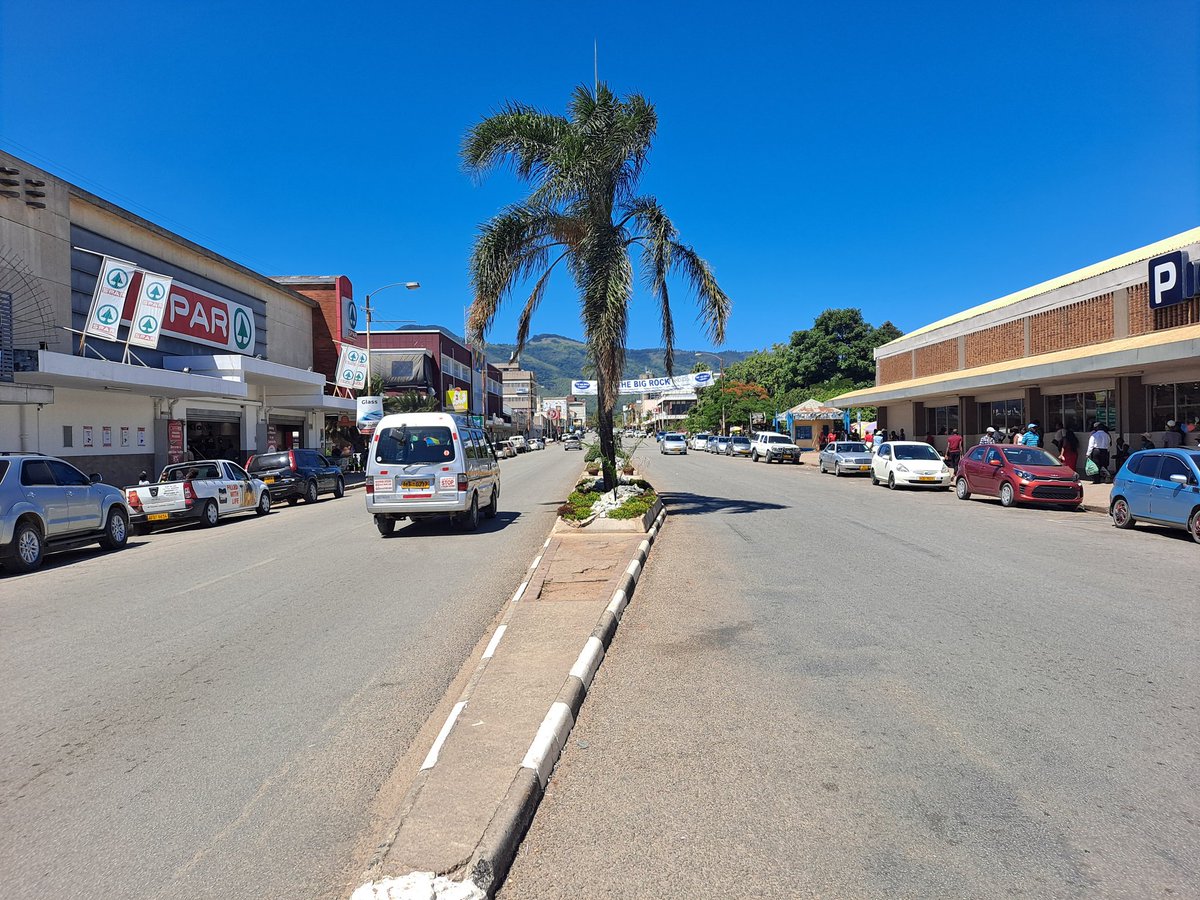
<point>1173,279</point>
<point>199,317</point>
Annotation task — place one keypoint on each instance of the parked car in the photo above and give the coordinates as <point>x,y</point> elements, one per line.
<point>1161,487</point>
<point>845,457</point>
<point>47,505</point>
<point>673,443</point>
<point>910,464</point>
<point>430,464</point>
<point>201,491</point>
<point>1017,474</point>
<point>700,441</point>
<point>738,445</point>
<point>771,446</point>
<point>519,443</point>
<point>572,442</point>
<point>536,444</point>
<point>505,449</point>
<point>296,475</point>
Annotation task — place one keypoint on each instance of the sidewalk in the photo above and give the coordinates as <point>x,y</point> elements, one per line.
<point>462,819</point>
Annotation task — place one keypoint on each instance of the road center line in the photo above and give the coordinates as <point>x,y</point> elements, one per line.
<point>213,581</point>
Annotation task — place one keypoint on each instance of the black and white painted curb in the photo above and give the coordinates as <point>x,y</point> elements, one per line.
<point>496,850</point>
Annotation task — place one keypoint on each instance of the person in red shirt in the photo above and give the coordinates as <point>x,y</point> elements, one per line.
<point>954,445</point>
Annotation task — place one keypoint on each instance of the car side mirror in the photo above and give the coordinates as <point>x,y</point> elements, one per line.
<point>1179,479</point>
<point>96,477</point>
<point>994,462</point>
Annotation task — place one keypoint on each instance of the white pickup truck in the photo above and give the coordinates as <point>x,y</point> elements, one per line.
<point>205,490</point>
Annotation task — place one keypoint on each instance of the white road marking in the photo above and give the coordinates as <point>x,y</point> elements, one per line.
<point>432,758</point>
<point>491,647</point>
<point>520,591</point>
<point>212,581</point>
<point>616,606</point>
<point>589,661</point>
<point>551,737</point>
<point>534,564</point>
<point>634,568</point>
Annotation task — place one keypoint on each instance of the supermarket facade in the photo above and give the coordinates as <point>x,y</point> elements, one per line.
<point>1116,342</point>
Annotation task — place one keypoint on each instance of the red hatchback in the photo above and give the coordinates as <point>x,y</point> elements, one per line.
<point>1017,474</point>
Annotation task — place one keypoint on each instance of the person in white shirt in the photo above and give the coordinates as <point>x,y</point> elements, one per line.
<point>1097,451</point>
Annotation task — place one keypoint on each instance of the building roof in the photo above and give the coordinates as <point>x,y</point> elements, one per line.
<point>811,410</point>
<point>1158,248</point>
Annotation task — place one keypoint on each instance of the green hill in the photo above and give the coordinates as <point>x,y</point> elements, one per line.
<point>558,360</point>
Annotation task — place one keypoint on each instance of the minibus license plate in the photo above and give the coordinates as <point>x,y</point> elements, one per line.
<point>414,485</point>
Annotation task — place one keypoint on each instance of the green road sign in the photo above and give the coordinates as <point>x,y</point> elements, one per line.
<point>147,324</point>
<point>241,329</point>
<point>118,278</point>
<point>107,314</point>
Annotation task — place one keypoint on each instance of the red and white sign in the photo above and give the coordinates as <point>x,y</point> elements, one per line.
<point>202,318</point>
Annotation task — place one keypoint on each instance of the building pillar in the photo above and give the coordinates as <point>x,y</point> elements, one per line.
<point>1133,416</point>
<point>968,416</point>
<point>1120,313</point>
<point>1034,407</point>
<point>919,426</point>
<point>881,418</point>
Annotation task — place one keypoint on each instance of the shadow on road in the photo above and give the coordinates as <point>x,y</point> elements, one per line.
<point>687,504</point>
<point>444,525</point>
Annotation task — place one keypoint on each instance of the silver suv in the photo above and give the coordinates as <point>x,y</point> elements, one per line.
<point>47,504</point>
<point>771,446</point>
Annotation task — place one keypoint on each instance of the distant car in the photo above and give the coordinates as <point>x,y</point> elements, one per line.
<point>536,444</point>
<point>46,505</point>
<point>519,443</point>
<point>1017,474</point>
<point>845,457</point>
<point>738,446</point>
<point>572,442</point>
<point>771,446</point>
<point>296,475</point>
<point>700,441</point>
<point>1161,487</point>
<point>673,443</point>
<point>658,435</point>
<point>710,446</point>
<point>910,464</point>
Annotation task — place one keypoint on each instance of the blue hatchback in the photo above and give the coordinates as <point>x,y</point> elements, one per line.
<point>1161,487</point>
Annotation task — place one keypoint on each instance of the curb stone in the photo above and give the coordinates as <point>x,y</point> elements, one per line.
<point>490,862</point>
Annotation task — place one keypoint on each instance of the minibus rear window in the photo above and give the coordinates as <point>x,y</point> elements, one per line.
<point>408,445</point>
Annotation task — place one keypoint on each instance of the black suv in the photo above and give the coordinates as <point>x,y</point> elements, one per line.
<point>295,475</point>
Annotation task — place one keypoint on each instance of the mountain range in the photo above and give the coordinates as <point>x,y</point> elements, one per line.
<point>556,361</point>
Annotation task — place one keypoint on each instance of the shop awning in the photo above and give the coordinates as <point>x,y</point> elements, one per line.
<point>402,368</point>
<point>814,410</point>
<point>89,374</point>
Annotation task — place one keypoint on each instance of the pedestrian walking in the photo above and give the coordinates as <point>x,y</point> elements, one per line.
<point>1030,438</point>
<point>1120,454</point>
<point>989,436</point>
<point>954,446</point>
<point>1070,450</point>
<point>877,439</point>
<point>1097,453</point>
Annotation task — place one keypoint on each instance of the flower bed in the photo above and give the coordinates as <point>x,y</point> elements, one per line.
<point>632,499</point>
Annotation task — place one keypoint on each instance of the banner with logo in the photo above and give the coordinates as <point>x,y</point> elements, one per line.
<point>108,300</point>
<point>650,385</point>
<point>370,412</point>
<point>349,317</point>
<point>150,309</point>
<point>352,368</point>
<point>458,399</point>
<point>555,410</point>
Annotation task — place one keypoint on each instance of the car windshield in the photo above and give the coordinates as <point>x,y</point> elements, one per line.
<point>850,448</point>
<point>1029,456</point>
<point>779,439</point>
<point>673,437</point>
<point>270,461</point>
<point>915,452</point>
<point>741,441</point>
<point>403,445</point>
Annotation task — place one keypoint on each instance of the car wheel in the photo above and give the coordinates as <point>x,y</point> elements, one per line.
<point>116,530</point>
<point>837,470</point>
<point>385,525</point>
<point>292,501</point>
<point>821,466</point>
<point>1194,526</point>
<point>470,519</point>
<point>493,506</point>
<point>339,489</point>
<point>28,548</point>
<point>874,480</point>
<point>264,504</point>
<point>753,456</point>
<point>209,514</point>
<point>310,492</point>
<point>1121,515</point>
<point>1008,497</point>
<point>962,489</point>
<point>891,481</point>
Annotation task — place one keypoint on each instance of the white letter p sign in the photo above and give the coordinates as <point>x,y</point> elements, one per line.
<point>1166,287</point>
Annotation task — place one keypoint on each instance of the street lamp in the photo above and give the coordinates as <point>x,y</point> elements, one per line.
<point>412,286</point>
<point>721,363</point>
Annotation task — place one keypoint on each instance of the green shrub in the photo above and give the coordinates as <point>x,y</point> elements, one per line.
<point>578,505</point>
<point>634,507</point>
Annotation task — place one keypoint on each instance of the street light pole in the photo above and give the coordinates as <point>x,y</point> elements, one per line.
<point>412,286</point>
<point>721,363</point>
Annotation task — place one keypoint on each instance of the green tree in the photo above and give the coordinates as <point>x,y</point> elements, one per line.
<point>584,209</point>
<point>734,401</point>
<point>839,344</point>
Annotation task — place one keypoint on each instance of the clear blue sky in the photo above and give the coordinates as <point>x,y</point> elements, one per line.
<point>909,159</point>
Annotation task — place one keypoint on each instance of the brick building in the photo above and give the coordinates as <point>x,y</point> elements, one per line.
<point>1095,344</point>
<point>334,317</point>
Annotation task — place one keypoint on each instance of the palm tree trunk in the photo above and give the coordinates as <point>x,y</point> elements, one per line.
<point>604,418</point>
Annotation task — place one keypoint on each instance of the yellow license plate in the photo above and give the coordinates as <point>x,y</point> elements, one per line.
<point>414,485</point>
<point>863,468</point>
<point>157,517</point>
<point>928,478</point>
<point>270,479</point>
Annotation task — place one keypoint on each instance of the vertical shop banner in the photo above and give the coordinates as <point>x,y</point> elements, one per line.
<point>175,441</point>
<point>370,412</point>
<point>272,438</point>
<point>150,310</point>
<point>352,368</point>
<point>108,300</point>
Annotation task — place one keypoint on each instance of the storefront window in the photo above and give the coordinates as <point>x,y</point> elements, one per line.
<point>1078,411</point>
<point>1180,402</point>
<point>940,419</point>
<point>1002,414</point>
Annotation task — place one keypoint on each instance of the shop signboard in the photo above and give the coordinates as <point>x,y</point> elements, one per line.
<point>175,441</point>
<point>1173,279</point>
<point>352,368</point>
<point>149,311</point>
<point>108,300</point>
<point>458,399</point>
<point>202,318</point>
<point>649,385</point>
<point>349,318</point>
<point>370,411</point>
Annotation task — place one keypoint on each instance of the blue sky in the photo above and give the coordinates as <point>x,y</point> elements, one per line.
<point>909,159</point>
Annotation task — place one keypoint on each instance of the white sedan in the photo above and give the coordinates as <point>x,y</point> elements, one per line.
<point>910,464</point>
<point>673,443</point>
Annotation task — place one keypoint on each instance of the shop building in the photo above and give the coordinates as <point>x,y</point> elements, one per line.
<point>520,395</point>
<point>233,370</point>
<point>666,411</point>
<point>1116,342</point>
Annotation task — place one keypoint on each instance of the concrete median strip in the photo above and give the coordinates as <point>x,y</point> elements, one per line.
<point>467,810</point>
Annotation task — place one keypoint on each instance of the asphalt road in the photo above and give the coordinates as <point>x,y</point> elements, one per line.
<point>231,713</point>
<point>826,689</point>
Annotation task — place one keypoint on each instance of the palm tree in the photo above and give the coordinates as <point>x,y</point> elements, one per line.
<point>584,209</point>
